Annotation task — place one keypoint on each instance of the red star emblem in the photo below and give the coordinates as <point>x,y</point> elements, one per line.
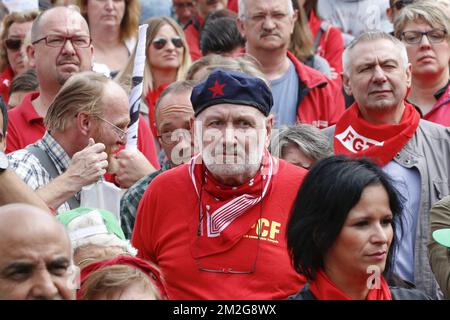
<point>217,89</point>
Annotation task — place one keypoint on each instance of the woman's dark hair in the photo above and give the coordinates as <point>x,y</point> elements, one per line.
<point>330,190</point>
<point>220,35</point>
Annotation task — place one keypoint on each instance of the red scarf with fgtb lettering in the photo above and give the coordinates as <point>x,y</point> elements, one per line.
<point>324,289</point>
<point>354,136</point>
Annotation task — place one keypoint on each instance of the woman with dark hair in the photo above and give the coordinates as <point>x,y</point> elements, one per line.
<point>342,232</point>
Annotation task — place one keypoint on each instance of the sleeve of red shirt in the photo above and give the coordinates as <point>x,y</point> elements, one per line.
<point>333,48</point>
<point>12,143</point>
<point>146,143</point>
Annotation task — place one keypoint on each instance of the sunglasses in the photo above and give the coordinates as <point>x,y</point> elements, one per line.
<point>401,3</point>
<point>160,43</point>
<point>13,44</point>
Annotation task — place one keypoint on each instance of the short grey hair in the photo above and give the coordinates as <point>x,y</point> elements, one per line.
<point>308,138</point>
<point>372,36</point>
<point>241,8</point>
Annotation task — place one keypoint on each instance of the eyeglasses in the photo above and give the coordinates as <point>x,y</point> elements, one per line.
<point>121,133</point>
<point>161,42</point>
<point>433,36</point>
<point>276,16</point>
<point>13,44</point>
<point>232,270</point>
<point>401,3</point>
<point>57,41</point>
<point>173,137</point>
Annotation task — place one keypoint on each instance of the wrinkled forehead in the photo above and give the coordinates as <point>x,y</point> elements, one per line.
<point>253,6</point>
<point>374,51</point>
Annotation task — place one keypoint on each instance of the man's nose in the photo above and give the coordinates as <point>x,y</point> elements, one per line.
<point>43,286</point>
<point>379,75</point>
<point>269,22</point>
<point>68,47</point>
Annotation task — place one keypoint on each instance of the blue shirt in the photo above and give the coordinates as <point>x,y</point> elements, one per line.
<point>407,182</point>
<point>285,97</point>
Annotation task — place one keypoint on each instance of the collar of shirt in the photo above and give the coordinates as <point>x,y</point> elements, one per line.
<point>55,151</point>
<point>441,91</point>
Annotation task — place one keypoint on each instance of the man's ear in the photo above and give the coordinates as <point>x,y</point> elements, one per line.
<point>241,26</point>
<point>84,123</point>
<point>346,84</point>
<point>269,127</point>
<point>30,55</point>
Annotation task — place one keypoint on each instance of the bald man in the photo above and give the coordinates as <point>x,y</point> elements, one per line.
<point>35,255</point>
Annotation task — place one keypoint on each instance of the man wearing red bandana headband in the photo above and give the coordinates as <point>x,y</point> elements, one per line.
<point>216,226</point>
<point>382,126</point>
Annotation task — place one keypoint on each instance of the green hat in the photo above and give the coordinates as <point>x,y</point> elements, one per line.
<point>93,226</point>
<point>442,236</point>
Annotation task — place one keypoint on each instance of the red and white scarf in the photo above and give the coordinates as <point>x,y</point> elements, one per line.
<point>222,207</point>
<point>354,136</point>
<point>324,289</point>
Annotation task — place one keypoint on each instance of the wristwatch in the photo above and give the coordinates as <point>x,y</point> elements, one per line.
<point>4,163</point>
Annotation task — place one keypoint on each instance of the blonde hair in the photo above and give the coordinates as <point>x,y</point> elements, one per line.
<point>14,17</point>
<point>116,278</point>
<point>81,93</point>
<point>130,22</point>
<point>154,25</point>
<point>436,14</point>
<point>245,64</point>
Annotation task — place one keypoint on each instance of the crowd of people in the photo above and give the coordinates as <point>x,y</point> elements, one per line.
<point>278,149</point>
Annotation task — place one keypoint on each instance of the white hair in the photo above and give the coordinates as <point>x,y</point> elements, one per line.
<point>241,8</point>
<point>372,36</point>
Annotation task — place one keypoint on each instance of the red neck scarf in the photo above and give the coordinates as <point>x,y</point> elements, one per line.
<point>324,289</point>
<point>354,136</point>
<point>221,221</point>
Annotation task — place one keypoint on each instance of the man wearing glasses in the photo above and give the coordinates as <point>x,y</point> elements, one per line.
<point>55,62</point>
<point>383,126</point>
<point>216,225</point>
<point>301,94</point>
<point>87,121</point>
<point>61,47</point>
<point>173,115</point>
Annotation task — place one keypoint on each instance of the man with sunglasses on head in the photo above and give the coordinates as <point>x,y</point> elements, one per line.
<point>216,225</point>
<point>13,60</point>
<point>86,122</point>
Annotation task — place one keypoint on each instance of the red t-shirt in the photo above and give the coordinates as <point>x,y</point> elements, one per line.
<point>25,127</point>
<point>165,227</point>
